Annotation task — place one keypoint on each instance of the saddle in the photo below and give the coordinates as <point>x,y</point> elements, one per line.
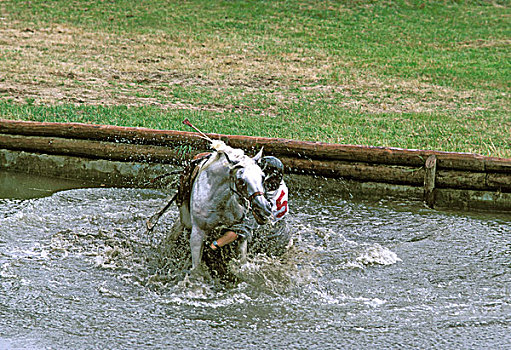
<point>187,178</point>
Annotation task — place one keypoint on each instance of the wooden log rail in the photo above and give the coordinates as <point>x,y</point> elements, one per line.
<point>281,147</point>
<point>431,169</point>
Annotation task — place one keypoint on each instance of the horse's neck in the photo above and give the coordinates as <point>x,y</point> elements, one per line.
<point>212,193</point>
<point>214,179</point>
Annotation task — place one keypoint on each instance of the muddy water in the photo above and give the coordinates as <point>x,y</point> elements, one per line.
<point>78,271</point>
<point>25,186</point>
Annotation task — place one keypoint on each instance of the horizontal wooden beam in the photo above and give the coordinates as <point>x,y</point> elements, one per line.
<point>359,171</point>
<point>94,149</point>
<point>278,147</point>
<point>356,171</point>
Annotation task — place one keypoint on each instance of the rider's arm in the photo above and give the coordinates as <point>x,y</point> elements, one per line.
<point>243,229</point>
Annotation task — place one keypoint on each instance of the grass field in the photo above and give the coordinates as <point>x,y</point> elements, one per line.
<point>411,74</point>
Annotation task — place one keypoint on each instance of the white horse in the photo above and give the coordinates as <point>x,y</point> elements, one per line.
<point>228,186</point>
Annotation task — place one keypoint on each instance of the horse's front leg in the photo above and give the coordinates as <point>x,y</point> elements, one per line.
<point>243,250</point>
<point>196,243</point>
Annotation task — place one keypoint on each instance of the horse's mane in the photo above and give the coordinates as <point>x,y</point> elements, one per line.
<point>234,154</point>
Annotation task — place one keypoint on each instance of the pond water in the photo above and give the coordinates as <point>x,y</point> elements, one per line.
<point>25,186</point>
<point>79,271</point>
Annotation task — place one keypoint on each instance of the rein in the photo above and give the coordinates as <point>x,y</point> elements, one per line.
<point>255,194</point>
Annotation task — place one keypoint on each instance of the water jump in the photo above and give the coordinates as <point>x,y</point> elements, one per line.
<point>230,192</point>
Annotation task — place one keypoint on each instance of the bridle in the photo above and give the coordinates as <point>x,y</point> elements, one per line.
<point>249,199</point>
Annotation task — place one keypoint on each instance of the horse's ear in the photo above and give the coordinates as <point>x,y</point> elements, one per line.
<point>258,155</point>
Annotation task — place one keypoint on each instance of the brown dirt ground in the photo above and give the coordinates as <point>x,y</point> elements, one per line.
<point>62,65</point>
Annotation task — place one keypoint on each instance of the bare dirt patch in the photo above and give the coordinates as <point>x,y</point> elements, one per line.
<point>68,65</point>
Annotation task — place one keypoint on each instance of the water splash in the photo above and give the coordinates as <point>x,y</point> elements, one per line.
<point>333,246</point>
<point>375,254</point>
<point>80,262</point>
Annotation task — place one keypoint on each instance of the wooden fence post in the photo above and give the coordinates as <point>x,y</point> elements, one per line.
<point>429,181</point>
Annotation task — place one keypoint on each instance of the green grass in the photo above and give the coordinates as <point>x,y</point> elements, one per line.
<point>411,74</point>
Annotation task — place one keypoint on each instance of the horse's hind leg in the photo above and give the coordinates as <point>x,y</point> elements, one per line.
<point>176,230</point>
<point>196,244</point>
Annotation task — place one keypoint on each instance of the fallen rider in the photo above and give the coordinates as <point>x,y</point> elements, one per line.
<point>271,238</point>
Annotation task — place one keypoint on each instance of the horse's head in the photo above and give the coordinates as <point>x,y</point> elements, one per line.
<point>248,181</point>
